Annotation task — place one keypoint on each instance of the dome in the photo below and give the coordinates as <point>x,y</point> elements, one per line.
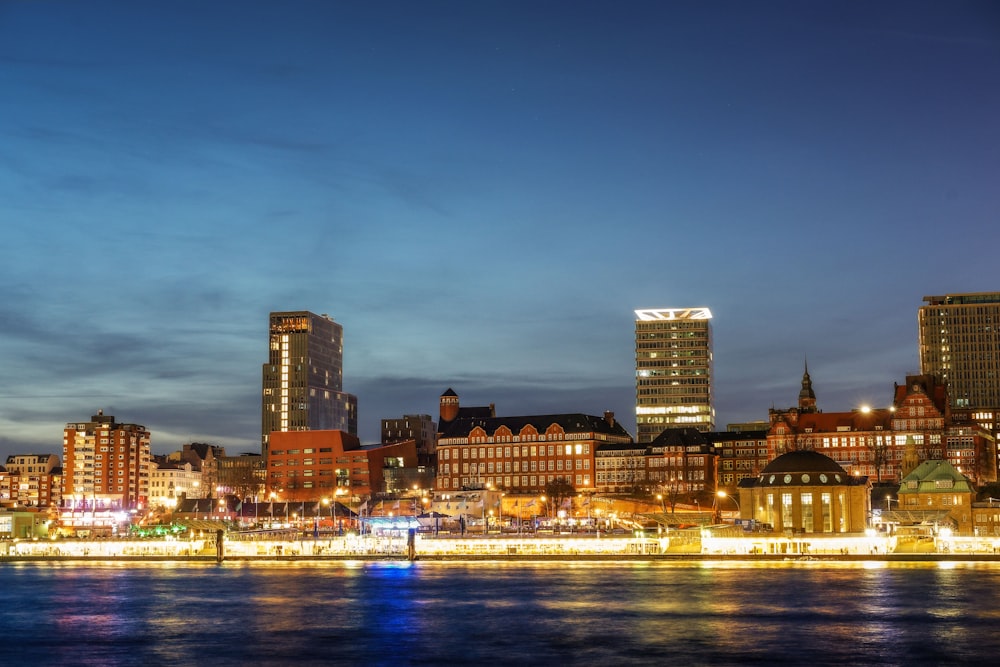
<point>804,468</point>
<point>803,461</point>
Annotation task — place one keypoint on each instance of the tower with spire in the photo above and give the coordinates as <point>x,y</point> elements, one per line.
<point>807,397</point>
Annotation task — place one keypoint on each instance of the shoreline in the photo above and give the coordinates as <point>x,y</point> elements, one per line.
<point>524,558</point>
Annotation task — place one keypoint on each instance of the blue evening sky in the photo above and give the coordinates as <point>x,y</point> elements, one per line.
<point>481,193</point>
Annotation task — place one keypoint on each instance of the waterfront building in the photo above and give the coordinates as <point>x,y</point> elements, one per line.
<point>31,480</point>
<point>741,454</point>
<point>621,467</point>
<point>683,465</point>
<point>105,464</point>
<point>308,465</point>
<point>935,494</point>
<point>170,481</point>
<point>673,371</point>
<point>986,519</point>
<point>204,458</point>
<point>303,377</point>
<point>806,492</point>
<point>520,454</point>
<point>419,428</point>
<point>872,441</point>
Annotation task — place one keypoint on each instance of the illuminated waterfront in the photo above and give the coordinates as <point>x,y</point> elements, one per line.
<point>692,612</point>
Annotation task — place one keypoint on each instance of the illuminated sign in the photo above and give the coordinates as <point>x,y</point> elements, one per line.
<point>655,314</point>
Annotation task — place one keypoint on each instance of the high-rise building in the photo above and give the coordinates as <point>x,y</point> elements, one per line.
<point>106,464</point>
<point>303,377</point>
<point>673,371</point>
<point>960,344</point>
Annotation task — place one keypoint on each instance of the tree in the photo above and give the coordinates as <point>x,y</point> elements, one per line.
<point>879,448</point>
<point>558,491</point>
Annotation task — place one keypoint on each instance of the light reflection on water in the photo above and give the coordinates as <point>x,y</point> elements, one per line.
<point>697,612</point>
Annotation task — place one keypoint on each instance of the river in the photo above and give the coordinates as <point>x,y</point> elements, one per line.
<point>454,613</point>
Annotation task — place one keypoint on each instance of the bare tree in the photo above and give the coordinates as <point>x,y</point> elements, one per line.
<point>879,448</point>
<point>559,490</point>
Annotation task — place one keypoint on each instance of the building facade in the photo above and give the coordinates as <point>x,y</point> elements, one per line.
<point>522,454</point>
<point>806,492</point>
<point>960,344</point>
<point>172,481</point>
<point>936,493</point>
<point>106,464</point>
<point>673,371</point>
<point>204,459</point>
<point>303,377</point>
<point>741,455</point>
<point>310,465</point>
<point>31,480</point>
<point>419,428</point>
<point>873,441</point>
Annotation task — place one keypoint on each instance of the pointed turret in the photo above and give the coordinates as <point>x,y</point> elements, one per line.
<point>807,397</point>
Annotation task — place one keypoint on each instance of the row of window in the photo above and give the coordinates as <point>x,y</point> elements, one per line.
<point>516,452</point>
<point>515,466</point>
<point>511,482</point>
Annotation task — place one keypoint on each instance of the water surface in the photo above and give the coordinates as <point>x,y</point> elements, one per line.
<point>431,613</point>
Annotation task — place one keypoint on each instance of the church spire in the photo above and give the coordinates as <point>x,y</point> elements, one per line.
<point>807,397</point>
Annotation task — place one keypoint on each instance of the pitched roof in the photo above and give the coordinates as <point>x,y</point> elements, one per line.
<point>935,476</point>
<point>573,422</point>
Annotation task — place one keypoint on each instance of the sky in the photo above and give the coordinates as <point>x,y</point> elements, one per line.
<point>481,193</point>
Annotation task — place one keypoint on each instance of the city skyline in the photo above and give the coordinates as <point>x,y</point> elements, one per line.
<point>481,195</point>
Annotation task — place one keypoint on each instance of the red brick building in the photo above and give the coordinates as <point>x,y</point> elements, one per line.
<point>871,442</point>
<point>741,455</point>
<point>106,464</point>
<point>308,465</point>
<point>519,454</point>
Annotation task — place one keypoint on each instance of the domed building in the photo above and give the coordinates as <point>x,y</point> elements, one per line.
<point>806,492</point>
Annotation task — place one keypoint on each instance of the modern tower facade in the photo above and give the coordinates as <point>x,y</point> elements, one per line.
<point>673,371</point>
<point>960,344</point>
<point>303,377</point>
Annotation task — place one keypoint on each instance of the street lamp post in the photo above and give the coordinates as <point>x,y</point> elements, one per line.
<point>722,494</point>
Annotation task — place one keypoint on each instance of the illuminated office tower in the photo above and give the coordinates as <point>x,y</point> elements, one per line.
<point>303,377</point>
<point>673,371</point>
<point>960,344</point>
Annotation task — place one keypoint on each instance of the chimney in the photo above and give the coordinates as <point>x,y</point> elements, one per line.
<point>609,417</point>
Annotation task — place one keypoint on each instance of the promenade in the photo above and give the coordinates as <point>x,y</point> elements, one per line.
<point>582,547</point>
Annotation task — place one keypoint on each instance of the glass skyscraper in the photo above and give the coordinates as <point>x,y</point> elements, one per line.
<point>673,371</point>
<point>303,377</point>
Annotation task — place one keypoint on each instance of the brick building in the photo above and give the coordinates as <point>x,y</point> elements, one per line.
<point>872,442</point>
<point>309,465</point>
<point>106,463</point>
<point>741,455</point>
<point>520,454</point>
